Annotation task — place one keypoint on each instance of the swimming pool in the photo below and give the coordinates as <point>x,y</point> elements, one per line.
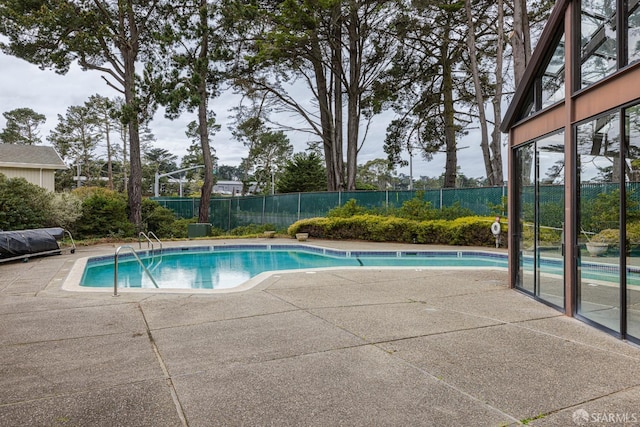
<point>229,266</point>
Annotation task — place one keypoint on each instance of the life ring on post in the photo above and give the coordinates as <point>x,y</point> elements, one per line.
<point>496,228</point>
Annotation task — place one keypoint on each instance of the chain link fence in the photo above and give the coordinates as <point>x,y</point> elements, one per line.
<point>282,210</point>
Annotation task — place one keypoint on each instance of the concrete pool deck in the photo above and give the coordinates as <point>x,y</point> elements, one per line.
<point>340,347</point>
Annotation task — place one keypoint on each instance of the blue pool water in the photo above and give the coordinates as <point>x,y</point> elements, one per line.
<point>220,267</point>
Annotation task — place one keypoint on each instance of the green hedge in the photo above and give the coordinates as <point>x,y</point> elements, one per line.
<point>466,231</point>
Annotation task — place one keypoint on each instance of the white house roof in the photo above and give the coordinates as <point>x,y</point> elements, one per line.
<point>30,157</point>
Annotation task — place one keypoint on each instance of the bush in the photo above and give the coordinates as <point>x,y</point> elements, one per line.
<point>417,209</point>
<point>251,229</point>
<point>64,210</point>
<point>157,219</point>
<point>467,231</point>
<point>454,211</point>
<point>349,209</point>
<point>420,210</point>
<point>22,205</point>
<point>180,228</point>
<point>104,214</point>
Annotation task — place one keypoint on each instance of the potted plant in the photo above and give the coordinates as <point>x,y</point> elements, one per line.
<point>596,246</point>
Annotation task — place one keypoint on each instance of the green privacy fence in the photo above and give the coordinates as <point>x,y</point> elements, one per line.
<point>282,210</point>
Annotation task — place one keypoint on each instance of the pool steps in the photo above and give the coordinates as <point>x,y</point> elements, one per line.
<point>115,268</point>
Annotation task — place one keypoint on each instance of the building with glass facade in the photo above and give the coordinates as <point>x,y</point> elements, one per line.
<point>574,166</point>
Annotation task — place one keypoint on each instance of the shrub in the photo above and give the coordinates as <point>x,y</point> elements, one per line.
<point>499,209</point>
<point>64,210</point>
<point>612,235</point>
<point>420,210</point>
<point>349,209</point>
<point>471,231</point>
<point>104,214</point>
<point>179,228</point>
<point>22,204</point>
<point>157,219</point>
<point>417,209</point>
<point>454,211</point>
<point>468,231</point>
<point>251,229</point>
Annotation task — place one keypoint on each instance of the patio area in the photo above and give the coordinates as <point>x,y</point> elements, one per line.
<point>342,347</point>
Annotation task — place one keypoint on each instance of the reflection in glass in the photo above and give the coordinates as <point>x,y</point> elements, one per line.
<point>529,107</point>
<point>598,40</point>
<point>525,157</point>
<point>598,145</point>
<point>633,31</point>
<point>632,185</point>
<point>550,218</point>
<point>553,77</point>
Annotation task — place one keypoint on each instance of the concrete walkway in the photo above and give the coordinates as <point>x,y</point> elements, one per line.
<point>343,347</point>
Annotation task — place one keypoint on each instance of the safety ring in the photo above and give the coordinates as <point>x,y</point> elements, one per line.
<point>496,228</point>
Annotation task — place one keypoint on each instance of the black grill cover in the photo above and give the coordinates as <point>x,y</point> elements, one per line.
<point>26,242</point>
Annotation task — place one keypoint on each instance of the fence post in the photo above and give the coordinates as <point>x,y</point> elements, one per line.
<point>229,224</point>
<point>387,199</point>
<point>339,198</point>
<point>264,204</point>
<point>299,195</point>
<point>441,199</point>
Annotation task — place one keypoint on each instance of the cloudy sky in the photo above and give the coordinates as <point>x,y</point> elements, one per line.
<point>25,85</point>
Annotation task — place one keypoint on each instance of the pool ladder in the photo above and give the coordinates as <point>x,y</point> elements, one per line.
<point>115,268</point>
<point>150,242</point>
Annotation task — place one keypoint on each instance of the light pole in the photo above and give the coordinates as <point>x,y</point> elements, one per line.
<point>156,185</point>
<point>273,182</point>
<point>410,148</point>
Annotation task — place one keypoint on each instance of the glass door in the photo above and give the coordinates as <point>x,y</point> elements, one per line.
<point>550,219</point>
<point>632,221</point>
<point>525,234</point>
<point>599,200</point>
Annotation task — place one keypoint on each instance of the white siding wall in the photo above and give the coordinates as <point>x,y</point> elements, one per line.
<point>41,177</point>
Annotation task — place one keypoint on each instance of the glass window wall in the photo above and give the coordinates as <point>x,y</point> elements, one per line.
<point>552,79</point>
<point>633,31</point>
<point>525,158</point>
<point>550,219</point>
<point>598,40</point>
<point>540,206</point>
<point>632,216</point>
<point>598,288</point>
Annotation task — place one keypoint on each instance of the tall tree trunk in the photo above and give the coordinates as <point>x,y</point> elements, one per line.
<point>520,39</point>
<point>496,137</point>
<point>109,156</point>
<point>336,72</point>
<point>475,72</point>
<point>353,119</point>
<point>129,46</point>
<point>331,148</point>
<point>134,187</point>
<point>203,122</point>
<point>451,162</point>
<point>125,178</point>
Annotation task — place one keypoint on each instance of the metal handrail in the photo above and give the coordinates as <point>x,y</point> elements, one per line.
<point>152,234</point>
<point>149,242</point>
<point>115,268</point>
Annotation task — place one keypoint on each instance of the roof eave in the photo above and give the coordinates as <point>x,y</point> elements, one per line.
<point>32,166</point>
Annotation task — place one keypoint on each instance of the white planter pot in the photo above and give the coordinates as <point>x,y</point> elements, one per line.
<point>597,248</point>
